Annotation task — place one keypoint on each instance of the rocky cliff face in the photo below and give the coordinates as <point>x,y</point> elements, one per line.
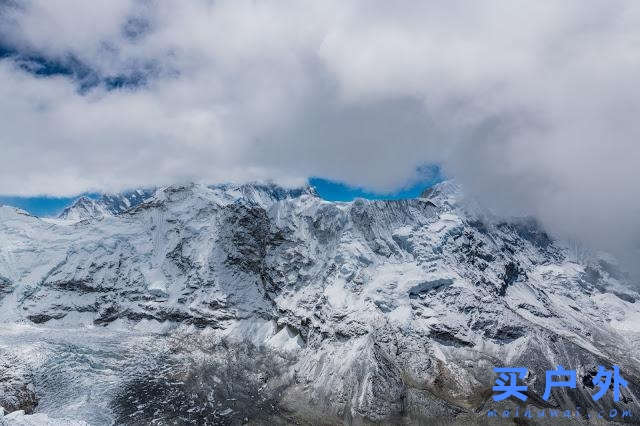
<point>393,309</point>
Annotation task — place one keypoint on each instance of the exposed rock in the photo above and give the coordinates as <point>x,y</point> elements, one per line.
<point>16,390</point>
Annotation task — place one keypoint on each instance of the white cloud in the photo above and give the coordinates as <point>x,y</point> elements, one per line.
<point>531,105</point>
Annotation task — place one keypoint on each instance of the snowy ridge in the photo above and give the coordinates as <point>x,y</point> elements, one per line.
<point>389,305</point>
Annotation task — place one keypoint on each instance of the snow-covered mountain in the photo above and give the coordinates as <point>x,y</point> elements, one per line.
<point>391,309</point>
<point>107,205</point>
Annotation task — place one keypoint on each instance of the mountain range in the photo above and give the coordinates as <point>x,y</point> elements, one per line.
<point>389,311</point>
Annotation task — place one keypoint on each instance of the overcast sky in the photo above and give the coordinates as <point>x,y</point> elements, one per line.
<point>534,106</point>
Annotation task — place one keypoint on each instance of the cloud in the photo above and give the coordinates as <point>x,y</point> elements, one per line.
<point>531,105</point>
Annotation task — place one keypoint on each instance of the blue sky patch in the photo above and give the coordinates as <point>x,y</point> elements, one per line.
<point>337,191</point>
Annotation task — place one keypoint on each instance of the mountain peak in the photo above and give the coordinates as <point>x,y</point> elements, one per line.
<point>107,205</point>
<point>82,208</point>
<point>448,191</point>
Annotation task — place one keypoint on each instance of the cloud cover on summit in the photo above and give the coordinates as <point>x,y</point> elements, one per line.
<point>532,106</point>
